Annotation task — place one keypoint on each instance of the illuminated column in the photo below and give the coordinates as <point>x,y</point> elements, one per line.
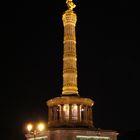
<point>69,57</point>
<point>85,113</point>
<point>61,113</point>
<point>56,114</point>
<point>79,109</point>
<point>90,114</point>
<point>70,113</point>
<point>50,114</point>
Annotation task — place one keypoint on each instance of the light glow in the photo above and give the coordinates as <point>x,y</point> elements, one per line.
<point>29,127</point>
<point>41,126</point>
<point>92,138</point>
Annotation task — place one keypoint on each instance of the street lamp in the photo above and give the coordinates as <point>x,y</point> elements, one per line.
<point>34,130</point>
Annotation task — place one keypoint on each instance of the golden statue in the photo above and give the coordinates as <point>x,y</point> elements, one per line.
<point>70,4</point>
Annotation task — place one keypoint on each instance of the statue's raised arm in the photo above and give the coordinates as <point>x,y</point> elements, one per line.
<point>70,4</point>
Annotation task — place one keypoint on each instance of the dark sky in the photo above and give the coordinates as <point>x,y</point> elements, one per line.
<point>31,63</point>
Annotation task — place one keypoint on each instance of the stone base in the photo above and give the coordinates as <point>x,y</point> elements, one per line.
<point>70,111</point>
<point>75,134</point>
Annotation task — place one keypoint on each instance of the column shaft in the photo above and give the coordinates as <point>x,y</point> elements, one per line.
<point>69,56</point>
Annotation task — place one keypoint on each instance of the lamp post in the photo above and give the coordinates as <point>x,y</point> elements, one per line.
<point>35,129</point>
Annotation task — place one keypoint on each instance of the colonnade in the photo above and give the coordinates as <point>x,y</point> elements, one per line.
<point>70,113</point>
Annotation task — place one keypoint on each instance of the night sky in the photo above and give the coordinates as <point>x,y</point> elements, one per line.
<point>31,63</point>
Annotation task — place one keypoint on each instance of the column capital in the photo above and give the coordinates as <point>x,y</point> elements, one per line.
<point>69,17</point>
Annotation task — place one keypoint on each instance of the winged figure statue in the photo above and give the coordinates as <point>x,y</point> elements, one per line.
<point>70,4</point>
